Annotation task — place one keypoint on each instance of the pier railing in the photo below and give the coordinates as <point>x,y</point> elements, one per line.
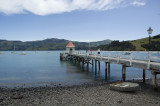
<point>129,55</point>
<point>132,55</point>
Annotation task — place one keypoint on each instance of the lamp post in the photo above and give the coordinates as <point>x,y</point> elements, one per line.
<point>149,32</point>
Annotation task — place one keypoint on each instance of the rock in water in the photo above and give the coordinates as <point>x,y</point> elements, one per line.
<point>17,96</point>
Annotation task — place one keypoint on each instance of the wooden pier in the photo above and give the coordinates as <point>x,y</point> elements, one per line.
<point>93,59</point>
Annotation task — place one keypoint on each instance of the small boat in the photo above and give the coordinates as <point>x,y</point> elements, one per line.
<point>13,52</point>
<point>23,53</point>
<point>1,53</point>
<point>125,86</point>
<point>127,53</point>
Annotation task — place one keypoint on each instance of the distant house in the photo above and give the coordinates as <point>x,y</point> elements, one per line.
<point>70,47</point>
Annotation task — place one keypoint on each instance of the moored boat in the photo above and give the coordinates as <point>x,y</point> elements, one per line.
<point>23,53</point>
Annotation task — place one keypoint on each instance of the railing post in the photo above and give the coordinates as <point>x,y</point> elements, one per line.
<point>108,57</point>
<point>101,56</point>
<point>95,56</point>
<point>149,60</point>
<point>118,57</point>
<point>131,57</point>
<point>144,75</point>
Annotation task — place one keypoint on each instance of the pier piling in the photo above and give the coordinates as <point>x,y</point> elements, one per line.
<point>154,80</point>
<point>123,72</point>
<point>87,64</point>
<point>99,65</point>
<point>109,70</point>
<point>95,66</point>
<point>144,75</point>
<point>105,70</point>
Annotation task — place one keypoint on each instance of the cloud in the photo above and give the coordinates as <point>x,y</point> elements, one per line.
<point>45,7</point>
<point>138,3</point>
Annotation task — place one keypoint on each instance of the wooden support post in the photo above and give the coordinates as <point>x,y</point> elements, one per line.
<point>87,64</point>
<point>78,60</point>
<point>123,72</point>
<point>92,65</point>
<point>92,62</point>
<point>105,70</point>
<point>95,66</point>
<point>144,75</point>
<point>99,65</point>
<point>109,69</point>
<point>83,63</point>
<point>154,80</point>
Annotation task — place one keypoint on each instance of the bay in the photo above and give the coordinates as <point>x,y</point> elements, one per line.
<point>41,68</point>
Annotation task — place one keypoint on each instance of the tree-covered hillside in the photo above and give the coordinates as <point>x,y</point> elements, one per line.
<point>117,46</point>
<point>143,44</point>
<point>47,44</point>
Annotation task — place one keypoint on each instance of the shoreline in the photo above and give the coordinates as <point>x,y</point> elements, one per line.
<point>84,94</point>
<point>65,84</point>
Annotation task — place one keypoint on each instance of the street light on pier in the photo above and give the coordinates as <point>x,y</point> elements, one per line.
<point>149,32</point>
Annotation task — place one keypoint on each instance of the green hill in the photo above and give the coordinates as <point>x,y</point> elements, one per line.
<point>47,44</point>
<point>117,46</point>
<point>138,45</point>
<point>143,44</point>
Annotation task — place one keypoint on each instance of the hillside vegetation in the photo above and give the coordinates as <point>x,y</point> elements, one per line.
<point>117,46</point>
<point>60,44</point>
<point>47,44</point>
<point>143,44</point>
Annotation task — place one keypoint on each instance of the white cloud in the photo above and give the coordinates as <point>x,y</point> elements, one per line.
<point>45,7</point>
<point>138,3</point>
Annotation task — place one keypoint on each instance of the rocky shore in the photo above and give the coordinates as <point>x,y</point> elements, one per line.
<point>82,95</point>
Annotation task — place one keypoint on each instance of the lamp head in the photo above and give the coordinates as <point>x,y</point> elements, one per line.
<point>150,30</point>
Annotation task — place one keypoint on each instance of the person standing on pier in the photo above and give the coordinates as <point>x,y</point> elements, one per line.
<point>99,52</point>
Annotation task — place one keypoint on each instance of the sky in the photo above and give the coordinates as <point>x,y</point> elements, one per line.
<point>78,20</point>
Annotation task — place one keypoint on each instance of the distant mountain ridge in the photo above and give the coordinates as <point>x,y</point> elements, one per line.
<point>47,44</point>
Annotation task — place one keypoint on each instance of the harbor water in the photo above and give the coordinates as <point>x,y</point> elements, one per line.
<point>41,68</point>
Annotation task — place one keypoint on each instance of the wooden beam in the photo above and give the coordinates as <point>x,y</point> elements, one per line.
<point>87,64</point>
<point>105,70</point>
<point>109,70</point>
<point>123,72</point>
<point>95,66</point>
<point>82,62</point>
<point>144,75</point>
<point>154,80</point>
<point>99,65</point>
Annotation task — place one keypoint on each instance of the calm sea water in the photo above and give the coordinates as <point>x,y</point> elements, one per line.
<point>45,68</point>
